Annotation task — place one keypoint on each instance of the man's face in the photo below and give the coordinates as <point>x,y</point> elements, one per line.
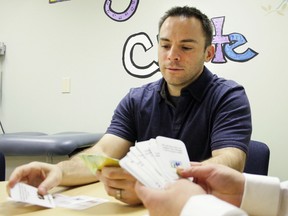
<point>182,52</point>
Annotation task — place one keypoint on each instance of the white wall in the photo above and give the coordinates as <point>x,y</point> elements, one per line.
<point>76,39</point>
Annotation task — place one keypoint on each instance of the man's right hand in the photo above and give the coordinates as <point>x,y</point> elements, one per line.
<point>44,176</point>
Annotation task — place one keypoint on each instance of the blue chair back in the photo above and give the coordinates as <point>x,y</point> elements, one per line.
<point>258,156</point>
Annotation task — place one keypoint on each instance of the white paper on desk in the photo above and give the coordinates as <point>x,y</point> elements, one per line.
<point>77,202</point>
<point>28,194</point>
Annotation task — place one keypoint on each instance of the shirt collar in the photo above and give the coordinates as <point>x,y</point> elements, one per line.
<point>197,88</point>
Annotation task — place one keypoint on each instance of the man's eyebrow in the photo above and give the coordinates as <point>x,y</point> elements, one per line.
<point>164,39</point>
<point>189,41</point>
<point>182,41</point>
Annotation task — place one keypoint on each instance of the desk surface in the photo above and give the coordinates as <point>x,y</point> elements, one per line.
<point>113,207</point>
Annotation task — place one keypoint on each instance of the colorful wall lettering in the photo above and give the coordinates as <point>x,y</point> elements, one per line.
<point>130,66</point>
<point>123,16</point>
<point>225,44</point>
<point>225,48</point>
<point>116,16</point>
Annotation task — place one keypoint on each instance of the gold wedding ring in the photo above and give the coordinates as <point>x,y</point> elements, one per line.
<point>118,194</point>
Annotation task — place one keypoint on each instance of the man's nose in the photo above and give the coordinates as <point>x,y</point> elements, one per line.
<point>173,54</point>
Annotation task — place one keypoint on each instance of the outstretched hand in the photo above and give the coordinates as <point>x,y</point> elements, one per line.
<point>41,175</point>
<point>170,201</point>
<point>219,180</point>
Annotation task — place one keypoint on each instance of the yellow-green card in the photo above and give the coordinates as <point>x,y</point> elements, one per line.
<point>97,161</point>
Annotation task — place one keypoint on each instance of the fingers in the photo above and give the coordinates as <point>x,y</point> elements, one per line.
<point>140,190</point>
<point>119,184</point>
<point>116,173</point>
<point>19,174</point>
<point>145,194</point>
<point>194,163</point>
<point>41,175</point>
<point>51,180</point>
<point>198,171</point>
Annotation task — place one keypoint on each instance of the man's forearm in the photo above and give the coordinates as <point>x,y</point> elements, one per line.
<point>74,172</point>
<point>232,157</point>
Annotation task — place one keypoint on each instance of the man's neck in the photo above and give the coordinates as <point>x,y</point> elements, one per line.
<point>174,90</point>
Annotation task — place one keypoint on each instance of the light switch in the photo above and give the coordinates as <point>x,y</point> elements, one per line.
<point>2,49</point>
<point>66,85</point>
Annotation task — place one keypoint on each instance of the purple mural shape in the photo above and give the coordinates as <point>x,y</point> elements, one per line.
<point>123,16</point>
<point>219,39</point>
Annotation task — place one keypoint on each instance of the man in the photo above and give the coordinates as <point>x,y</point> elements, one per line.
<point>218,192</point>
<point>209,114</point>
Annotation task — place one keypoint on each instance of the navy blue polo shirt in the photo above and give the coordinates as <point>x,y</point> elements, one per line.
<point>211,113</point>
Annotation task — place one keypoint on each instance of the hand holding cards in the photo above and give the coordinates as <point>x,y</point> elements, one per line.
<point>154,162</point>
<point>28,194</point>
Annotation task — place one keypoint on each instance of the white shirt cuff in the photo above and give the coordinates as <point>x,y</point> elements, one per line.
<point>209,205</point>
<point>261,195</point>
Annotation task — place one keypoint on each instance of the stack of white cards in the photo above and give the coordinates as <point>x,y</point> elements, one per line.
<point>154,162</point>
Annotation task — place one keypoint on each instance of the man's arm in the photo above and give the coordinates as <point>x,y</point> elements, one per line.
<point>231,157</point>
<point>75,172</point>
<point>45,176</point>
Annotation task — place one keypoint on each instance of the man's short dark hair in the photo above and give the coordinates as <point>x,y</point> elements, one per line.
<point>191,12</point>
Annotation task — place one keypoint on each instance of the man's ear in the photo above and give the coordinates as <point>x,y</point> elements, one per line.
<point>209,53</point>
